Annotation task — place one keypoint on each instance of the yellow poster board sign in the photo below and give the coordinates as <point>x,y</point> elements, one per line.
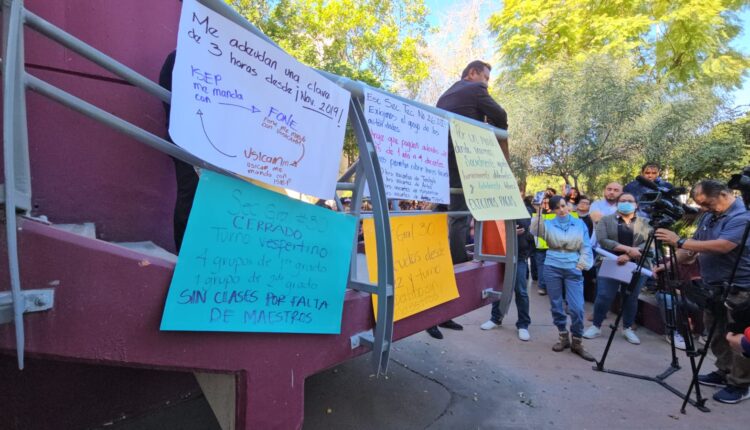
<point>422,262</point>
<point>489,186</point>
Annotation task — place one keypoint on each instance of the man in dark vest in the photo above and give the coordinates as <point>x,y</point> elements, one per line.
<point>468,97</point>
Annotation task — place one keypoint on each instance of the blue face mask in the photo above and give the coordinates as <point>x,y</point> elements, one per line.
<point>626,208</point>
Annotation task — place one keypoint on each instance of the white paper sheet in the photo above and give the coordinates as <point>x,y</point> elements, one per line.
<point>623,273</point>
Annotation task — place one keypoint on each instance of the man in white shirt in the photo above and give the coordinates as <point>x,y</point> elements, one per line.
<point>608,205</point>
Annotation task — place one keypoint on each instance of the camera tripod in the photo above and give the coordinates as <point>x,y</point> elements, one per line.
<point>726,288</point>
<point>676,321</point>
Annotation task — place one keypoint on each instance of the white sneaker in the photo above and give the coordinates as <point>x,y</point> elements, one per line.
<point>630,336</point>
<point>523,334</point>
<point>489,325</point>
<point>679,341</point>
<point>592,332</point>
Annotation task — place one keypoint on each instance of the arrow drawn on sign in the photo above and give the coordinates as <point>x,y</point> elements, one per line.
<point>252,110</point>
<point>200,114</point>
<point>295,163</point>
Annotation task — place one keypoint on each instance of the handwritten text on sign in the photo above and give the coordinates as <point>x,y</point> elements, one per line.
<point>422,262</point>
<point>257,261</point>
<point>412,146</point>
<point>489,186</point>
<point>244,105</point>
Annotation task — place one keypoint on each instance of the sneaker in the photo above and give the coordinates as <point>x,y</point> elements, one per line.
<point>732,394</point>
<point>630,336</point>
<point>489,325</point>
<point>713,379</point>
<point>592,332</point>
<point>679,341</point>
<point>450,324</point>
<point>434,332</point>
<point>542,292</point>
<point>523,334</point>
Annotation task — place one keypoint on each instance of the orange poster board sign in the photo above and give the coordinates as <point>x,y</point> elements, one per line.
<point>493,237</point>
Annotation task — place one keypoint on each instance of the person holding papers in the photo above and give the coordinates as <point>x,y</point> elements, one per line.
<point>623,234</point>
<point>568,255</point>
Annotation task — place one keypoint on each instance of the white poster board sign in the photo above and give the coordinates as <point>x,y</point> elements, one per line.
<point>412,146</point>
<point>244,105</point>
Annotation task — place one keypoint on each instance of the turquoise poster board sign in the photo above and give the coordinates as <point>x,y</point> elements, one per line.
<point>253,260</point>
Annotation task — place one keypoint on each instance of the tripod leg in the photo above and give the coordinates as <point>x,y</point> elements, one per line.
<point>625,293</point>
<point>703,353</point>
<point>623,297</point>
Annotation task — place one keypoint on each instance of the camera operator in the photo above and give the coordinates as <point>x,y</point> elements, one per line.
<point>716,242</point>
<point>650,171</point>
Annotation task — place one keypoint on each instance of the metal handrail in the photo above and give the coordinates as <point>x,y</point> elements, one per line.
<point>367,168</point>
<point>13,58</point>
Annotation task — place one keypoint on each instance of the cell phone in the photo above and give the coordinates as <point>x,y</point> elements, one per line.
<point>538,197</point>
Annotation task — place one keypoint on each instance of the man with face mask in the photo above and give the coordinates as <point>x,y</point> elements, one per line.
<point>623,234</point>
<point>717,242</point>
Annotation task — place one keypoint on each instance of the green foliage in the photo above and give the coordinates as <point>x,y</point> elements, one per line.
<point>577,121</point>
<point>374,41</point>
<point>714,155</point>
<point>674,42</point>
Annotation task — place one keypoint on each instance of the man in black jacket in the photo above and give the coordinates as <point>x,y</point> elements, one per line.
<point>468,97</point>
<point>187,178</point>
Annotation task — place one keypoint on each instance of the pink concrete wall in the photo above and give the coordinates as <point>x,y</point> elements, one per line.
<point>81,170</point>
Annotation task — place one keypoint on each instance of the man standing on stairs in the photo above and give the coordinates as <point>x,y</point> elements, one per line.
<point>468,97</point>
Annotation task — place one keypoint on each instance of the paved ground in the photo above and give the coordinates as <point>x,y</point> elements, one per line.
<point>478,379</point>
<point>491,380</point>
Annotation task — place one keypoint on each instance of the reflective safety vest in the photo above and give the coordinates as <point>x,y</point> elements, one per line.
<point>541,243</point>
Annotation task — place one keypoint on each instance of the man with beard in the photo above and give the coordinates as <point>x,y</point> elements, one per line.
<point>608,206</point>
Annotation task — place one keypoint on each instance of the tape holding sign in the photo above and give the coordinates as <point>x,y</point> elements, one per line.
<point>242,104</point>
<point>489,186</point>
<point>422,263</point>
<point>412,146</point>
<point>256,261</point>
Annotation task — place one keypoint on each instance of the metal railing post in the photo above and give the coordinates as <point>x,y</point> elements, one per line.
<point>15,143</point>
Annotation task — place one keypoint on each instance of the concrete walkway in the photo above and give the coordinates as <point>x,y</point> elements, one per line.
<point>478,379</point>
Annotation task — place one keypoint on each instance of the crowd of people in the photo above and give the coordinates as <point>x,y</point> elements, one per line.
<point>566,228</point>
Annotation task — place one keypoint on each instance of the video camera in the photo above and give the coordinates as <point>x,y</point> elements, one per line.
<point>741,182</point>
<point>662,204</point>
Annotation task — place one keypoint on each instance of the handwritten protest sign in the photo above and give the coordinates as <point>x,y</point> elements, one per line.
<point>412,146</point>
<point>490,189</point>
<point>422,262</point>
<point>244,105</point>
<point>257,261</point>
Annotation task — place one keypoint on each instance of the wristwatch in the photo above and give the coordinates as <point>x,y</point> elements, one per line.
<point>680,242</point>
